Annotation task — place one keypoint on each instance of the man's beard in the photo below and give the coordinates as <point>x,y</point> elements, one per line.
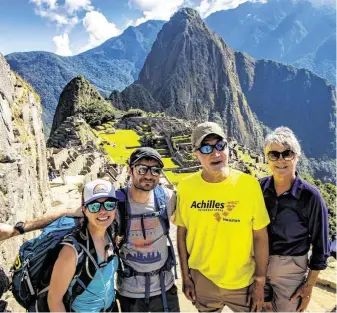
<point>150,187</point>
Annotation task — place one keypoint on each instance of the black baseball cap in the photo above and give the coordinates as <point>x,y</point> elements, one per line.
<point>145,153</point>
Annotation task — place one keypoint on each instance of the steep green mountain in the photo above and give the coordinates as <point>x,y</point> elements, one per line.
<point>192,73</point>
<point>113,65</point>
<point>295,32</point>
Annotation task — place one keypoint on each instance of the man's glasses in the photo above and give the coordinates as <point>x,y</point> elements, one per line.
<point>208,149</point>
<point>143,169</point>
<point>287,155</point>
<point>109,205</point>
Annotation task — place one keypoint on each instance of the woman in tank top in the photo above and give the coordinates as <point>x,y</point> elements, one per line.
<point>99,204</point>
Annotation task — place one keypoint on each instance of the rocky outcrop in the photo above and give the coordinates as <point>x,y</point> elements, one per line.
<point>24,186</point>
<point>79,98</point>
<point>77,94</point>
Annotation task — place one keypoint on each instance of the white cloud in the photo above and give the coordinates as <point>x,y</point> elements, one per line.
<point>208,7</point>
<point>50,10</point>
<point>52,4</point>
<point>99,29</point>
<point>60,19</point>
<point>155,9</point>
<point>62,45</point>
<point>76,5</point>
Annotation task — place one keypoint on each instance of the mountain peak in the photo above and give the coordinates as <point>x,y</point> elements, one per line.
<point>187,14</point>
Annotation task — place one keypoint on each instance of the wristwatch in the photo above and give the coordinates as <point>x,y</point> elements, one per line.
<point>20,227</point>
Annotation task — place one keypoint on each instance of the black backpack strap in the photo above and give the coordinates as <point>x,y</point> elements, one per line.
<point>161,207</point>
<point>85,270</point>
<point>87,264</point>
<point>122,226</point>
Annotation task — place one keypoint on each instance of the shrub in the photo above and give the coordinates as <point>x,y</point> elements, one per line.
<point>97,113</point>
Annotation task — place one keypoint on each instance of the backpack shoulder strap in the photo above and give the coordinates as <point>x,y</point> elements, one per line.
<point>122,229</point>
<point>161,206</point>
<point>86,263</point>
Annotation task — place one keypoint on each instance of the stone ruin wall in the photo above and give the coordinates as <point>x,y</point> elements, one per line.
<point>24,184</point>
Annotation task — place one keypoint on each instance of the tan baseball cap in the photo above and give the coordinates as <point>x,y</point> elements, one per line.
<point>203,130</point>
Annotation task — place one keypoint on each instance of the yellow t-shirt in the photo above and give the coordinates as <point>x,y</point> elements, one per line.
<point>220,219</point>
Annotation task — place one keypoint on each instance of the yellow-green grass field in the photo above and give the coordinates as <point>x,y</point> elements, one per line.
<point>175,178</point>
<point>122,138</point>
<point>168,163</point>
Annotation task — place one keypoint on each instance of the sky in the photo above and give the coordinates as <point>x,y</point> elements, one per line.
<point>69,27</point>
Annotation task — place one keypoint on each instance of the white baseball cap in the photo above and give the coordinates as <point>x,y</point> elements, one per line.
<point>98,189</point>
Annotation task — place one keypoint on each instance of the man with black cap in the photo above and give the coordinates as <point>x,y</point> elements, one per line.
<point>147,283</point>
<point>221,219</point>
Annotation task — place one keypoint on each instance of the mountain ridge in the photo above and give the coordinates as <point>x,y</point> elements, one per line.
<point>286,31</point>
<point>113,65</point>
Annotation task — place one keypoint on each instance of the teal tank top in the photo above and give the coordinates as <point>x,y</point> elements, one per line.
<point>93,298</point>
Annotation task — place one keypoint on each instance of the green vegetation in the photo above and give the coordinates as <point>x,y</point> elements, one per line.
<point>168,163</point>
<point>175,178</point>
<point>134,113</point>
<point>96,113</point>
<point>118,143</point>
<point>328,191</point>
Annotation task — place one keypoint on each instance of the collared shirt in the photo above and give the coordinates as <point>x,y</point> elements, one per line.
<point>298,219</point>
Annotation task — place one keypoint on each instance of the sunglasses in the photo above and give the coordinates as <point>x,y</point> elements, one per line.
<point>109,205</point>
<point>208,149</point>
<point>143,169</point>
<point>287,155</point>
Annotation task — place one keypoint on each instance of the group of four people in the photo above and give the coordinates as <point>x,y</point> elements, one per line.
<point>240,243</point>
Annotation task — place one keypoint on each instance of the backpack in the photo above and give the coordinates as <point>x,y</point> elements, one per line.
<point>34,264</point>
<point>123,229</point>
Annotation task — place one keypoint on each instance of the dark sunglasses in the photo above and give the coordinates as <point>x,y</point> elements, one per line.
<point>208,149</point>
<point>143,169</point>
<point>287,155</point>
<point>109,205</point>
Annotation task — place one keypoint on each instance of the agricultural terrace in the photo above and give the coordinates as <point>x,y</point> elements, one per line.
<point>122,143</point>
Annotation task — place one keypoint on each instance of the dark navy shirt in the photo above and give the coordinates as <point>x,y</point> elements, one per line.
<point>298,219</point>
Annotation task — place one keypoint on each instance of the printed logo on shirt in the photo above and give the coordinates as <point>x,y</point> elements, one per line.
<point>148,258</point>
<point>209,205</point>
<point>229,207</point>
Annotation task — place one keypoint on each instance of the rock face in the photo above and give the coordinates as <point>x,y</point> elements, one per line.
<point>297,98</point>
<point>24,186</point>
<point>192,73</point>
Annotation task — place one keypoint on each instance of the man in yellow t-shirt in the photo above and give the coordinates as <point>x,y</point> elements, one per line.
<point>221,219</point>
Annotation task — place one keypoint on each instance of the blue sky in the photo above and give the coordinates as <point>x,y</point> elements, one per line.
<point>68,27</point>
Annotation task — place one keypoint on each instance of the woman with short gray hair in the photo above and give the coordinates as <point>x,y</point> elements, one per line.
<point>298,220</point>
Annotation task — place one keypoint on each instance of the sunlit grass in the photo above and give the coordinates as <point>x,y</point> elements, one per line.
<point>168,163</point>
<point>175,178</point>
<point>122,138</point>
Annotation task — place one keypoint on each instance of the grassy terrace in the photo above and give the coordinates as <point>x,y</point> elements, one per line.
<point>122,138</point>
<point>175,178</point>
